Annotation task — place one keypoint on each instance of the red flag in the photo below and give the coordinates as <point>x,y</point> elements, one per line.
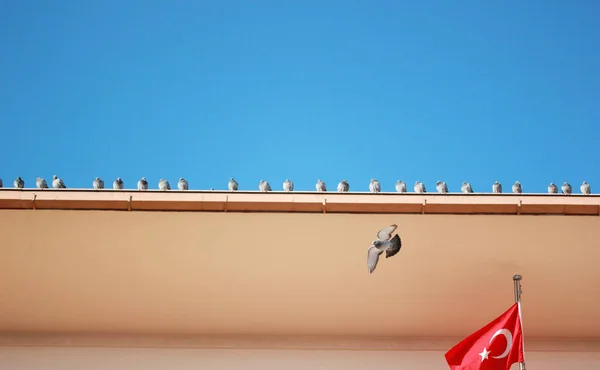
<point>496,346</point>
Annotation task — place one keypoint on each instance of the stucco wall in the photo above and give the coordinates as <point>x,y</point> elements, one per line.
<point>211,274</point>
<point>268,273</point>
<point>32,358</point>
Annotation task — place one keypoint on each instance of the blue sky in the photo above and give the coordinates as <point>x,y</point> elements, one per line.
<point>428,90</point>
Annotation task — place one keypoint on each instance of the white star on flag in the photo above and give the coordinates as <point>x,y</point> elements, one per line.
<point>484,354</point>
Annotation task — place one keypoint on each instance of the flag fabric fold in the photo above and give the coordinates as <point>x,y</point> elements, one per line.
<point>496,346</point>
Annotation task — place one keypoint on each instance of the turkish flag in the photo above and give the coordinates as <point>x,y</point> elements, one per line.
<point>496,346</point>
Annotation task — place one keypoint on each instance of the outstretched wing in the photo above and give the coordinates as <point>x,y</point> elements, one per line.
<point>386,233</point>
<point>395,248</point>
<point>372,258</point>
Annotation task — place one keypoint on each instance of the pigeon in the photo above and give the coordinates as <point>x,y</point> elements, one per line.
<point>497,188</point>
<point>343,186</point>
<point>420,187</point>
<point>118,184</point>
<point>466,188</point>
<point>182,184</point>
<point>384,242</point>
<point>19,183</point>
<point>57,183</point>
<point>98,183</point>
<point>41,183</point>
<point>441,187</point>
<point>566,188</point>
<point>374,186</point>
<point>400,186</point>
<point>163,185</point>
<point>320,186</point>
<point>264,186</point>
<point>143,184</point>
<point>233,185</point>
<point>585,188</point>
<point>516,188</point>
<point>288,185</point>
<point>552,188</point>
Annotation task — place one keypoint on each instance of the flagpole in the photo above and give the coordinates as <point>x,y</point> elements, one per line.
<point>517,283</point>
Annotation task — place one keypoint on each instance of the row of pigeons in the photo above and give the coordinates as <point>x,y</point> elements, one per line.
<point>264,186</point>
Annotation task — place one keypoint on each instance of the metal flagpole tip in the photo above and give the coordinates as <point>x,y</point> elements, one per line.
<point>517,277</point>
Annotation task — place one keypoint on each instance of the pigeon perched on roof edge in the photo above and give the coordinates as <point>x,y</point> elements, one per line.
<point>517,188</point>
<point>41,183</point>
<point>320,186</point>
<point>400,186</point>
<point>466,188</point>
<point>19,183</point>
<point>182,184</point>
<point>497,188</point>
<point>585,188</point>
<point>118,184</point>
<point>264,186</point>
<point>343,186</point>
<point>98,183</point>
<point>374,186</point>
<point>232,185</point>
<point>441,187</point>
<point>57,183</point>
<point>419,187</point>
<point>142,184</point>
<point>163,185</point>
<point>288,185</point>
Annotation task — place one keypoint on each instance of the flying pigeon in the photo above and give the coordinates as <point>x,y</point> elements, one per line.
<point>98,183</point>
<point>57,183</point>
<point>343,186</point>
<point>420,187</point>
<point>143,184</point>
<point>384,242</point>
<point>585,188</point>
<point>441,187</point>
<point>566,188</point>
<point>320,186</point>
<point>497,188</point>
<point>233,185</point>
<point>552,188</point>
<point>516,188</point>
<point>182,184</point>
<point>400,186</point>
<point>118,184</point>
<point>163,185</point>
<point>466,188</point>
<point>288,185</point>
<point>41,183</point>
<point>374,186</point>
<point>264,186</point>
<point>19,183</point>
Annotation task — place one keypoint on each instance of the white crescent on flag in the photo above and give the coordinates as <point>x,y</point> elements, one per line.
<point>508,336</point>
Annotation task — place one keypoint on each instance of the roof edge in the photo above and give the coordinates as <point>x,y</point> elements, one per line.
<point>303,202</point>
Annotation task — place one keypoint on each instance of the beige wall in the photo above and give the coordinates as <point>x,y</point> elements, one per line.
<point>27,358</point>
<point>215,274</point>
<point>268,273</point>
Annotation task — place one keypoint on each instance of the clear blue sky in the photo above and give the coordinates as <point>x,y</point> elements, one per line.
<point>424,90</point>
